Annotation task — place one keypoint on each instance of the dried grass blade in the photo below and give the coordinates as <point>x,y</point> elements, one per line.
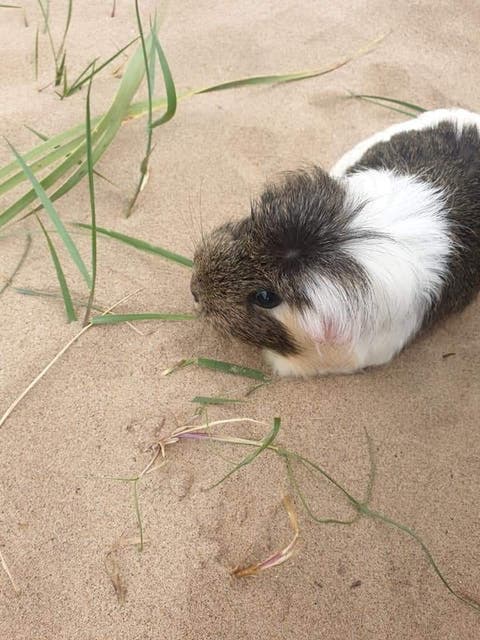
<point>279,557</point>
<point>42,373</point>
<point>4,564</point>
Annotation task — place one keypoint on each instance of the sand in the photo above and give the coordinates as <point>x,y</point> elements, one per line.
<point>97,410</point>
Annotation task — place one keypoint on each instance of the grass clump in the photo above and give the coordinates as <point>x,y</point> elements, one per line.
<point>361,507</point>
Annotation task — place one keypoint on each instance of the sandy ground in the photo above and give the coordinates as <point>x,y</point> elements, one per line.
<point>104,402</point>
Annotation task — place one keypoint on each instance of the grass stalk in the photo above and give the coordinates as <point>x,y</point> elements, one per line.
<point>57,357</point>
<point>23,257</point>
<point>91,190</point>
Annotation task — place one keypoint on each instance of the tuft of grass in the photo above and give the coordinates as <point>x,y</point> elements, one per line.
<point>58,53</point>
<point>142,245</point>
<point>91,70</point>
<point>408,108</point>
<point>360,507</point>
<point>66,151</point>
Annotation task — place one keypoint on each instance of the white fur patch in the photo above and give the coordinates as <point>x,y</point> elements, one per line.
<point>460,117</point>
<point>405,266</point>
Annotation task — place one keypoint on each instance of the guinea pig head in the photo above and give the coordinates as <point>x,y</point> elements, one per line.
<point>258,279</point>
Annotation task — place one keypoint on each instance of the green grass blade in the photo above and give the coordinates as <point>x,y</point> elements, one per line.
<point>65,33</point>
<point>38,293</point>
<point>215,400</point>
<point>42,136</point>
<point>36,54</point>
<point>411,110</point>
<point>149,65</point>
<point>83,78</point>
<point>62,152</point>
<point>10,6</point>
<point>53,142</point>
<point>134,317</point>
<point>142,245</point>
<point>46,29</point>
<point>107,126</point>
<point>233,369</point>
<point>67,298</point>
<point>54,217</point>
<point>169,85</point>
<point>402,103</point>
<point>265,443</point>
<point>91,191</point>
<point>105,130</point>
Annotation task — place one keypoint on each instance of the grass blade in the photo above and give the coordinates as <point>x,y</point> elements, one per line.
<point>233,369</point>
<point>133,317</point>
<point>10,6</point>
<point>215,400</point>
<point>291,77</point>
<point>105,130</point>
<point>42,136</point>
<point>67,298</point>
<point>150,74</point>
<point>107,126</point>
<point>36,54</point>
<point>265,443</point>
<point>169,85</point>
<point>23,257</point>
<point>141,245</point>
<point>387,103</point>
<point>91,191</point>
<point>65,33</point>
<point>83,78</point>
<point>53,215</point>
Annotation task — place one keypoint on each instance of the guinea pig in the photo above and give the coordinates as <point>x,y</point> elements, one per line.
<point>335,272</point>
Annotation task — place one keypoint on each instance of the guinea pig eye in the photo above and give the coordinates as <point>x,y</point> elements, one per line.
<point>266,299</point>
